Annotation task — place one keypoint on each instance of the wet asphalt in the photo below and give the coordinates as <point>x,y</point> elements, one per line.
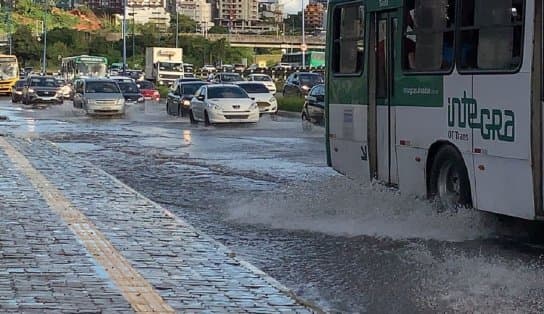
<point>265,191</point>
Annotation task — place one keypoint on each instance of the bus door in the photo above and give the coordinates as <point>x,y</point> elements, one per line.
<point>382,122</point>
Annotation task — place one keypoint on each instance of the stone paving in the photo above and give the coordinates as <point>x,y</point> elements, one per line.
<point>190,271</point>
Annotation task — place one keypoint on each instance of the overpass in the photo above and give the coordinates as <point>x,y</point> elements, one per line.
<point>266,41</point>
<point>254,41</point>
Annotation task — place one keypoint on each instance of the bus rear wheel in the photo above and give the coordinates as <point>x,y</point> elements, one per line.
<point>449,183</point>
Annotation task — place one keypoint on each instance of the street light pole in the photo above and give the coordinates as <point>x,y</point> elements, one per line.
<point>303,38</point>
<point>44,71</point>
<point>177,24</point>
<point>124,35</point>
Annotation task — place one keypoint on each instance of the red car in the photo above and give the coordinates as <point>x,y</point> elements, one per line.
<point>148,90</point>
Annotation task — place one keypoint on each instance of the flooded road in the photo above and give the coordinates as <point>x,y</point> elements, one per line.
<point>265,191</point>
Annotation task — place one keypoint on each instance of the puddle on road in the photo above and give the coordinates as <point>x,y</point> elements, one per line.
<point>339,206</point>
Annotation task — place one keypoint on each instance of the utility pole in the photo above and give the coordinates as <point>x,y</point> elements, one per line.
<point>45,37</point>
<point>124,35</point>
<point>177,25</point>
<point>10,42</point>
<point>133,36</point>
<point>303,38</point>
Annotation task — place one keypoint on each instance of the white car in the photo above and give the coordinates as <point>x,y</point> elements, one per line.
<point>265,79</point>
<point>266,101</point>
<point>222,103</point>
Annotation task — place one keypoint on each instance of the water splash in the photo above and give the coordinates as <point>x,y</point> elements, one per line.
<point>339,206</point>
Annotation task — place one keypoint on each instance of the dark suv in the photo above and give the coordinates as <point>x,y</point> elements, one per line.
<point>299,83</point>
<point>42,90</point>
<point>179,99</point>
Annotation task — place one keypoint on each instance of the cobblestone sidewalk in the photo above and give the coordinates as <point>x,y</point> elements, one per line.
<point>52,219</point>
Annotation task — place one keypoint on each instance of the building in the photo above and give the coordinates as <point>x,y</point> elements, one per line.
<point>323,2</point>
<point>270,10</point>
<point>146,3</point>
<point>313,15</point>
<point>156,15</point>
<point>107,6</point>
<point>238,15</point>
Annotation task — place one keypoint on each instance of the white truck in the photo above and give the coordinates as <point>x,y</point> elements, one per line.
<point>163,65</point>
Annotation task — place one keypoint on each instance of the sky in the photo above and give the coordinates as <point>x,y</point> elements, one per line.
<point>292,6</point>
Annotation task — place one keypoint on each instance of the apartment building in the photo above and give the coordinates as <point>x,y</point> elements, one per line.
<point>313,15</point>
<point>109,6</point>
<point>238,15</point>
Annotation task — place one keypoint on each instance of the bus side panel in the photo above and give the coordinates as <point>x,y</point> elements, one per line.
<point>502,143</point>
<point>349,141</point>
<point>416,131</point>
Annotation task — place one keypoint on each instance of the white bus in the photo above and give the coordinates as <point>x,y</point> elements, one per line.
<point>441,98</point>
<point>84,65</point>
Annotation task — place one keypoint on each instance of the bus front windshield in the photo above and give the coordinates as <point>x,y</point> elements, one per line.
<point>8,68</point>
<point>92,69</point>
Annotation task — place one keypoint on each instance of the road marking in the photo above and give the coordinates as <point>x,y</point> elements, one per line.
<point>137,291</point>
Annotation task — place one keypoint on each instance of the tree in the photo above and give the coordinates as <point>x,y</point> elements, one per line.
<point>185,24</point>
<point>26,46</point>
<point>218,29</point>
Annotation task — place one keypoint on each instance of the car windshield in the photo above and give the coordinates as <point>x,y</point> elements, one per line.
<point>43,81</point>
<point>20,83</point>
<point>102,87</point>
<point>226,92</point>
<point>262,78</point>
<point>128,87</point>
<point>231,77</point>
<point>146,85</point>
<point>190,89</point>
<point>170,66</point>
<point>254,88</point>
<point>311,79</point>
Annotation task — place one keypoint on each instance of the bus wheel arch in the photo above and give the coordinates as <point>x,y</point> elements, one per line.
<point>447,175</point>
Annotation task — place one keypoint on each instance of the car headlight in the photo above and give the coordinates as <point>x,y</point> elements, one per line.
<point>253,106</point>
<point>141,99</point>
<point>214,106</point>
<point>91,101</point>
<point>120,101</point>
<point>272,99</point>
<point>30,90</point>
<point>18,92</point>
<point>186,102</point>
<point>304,87</point>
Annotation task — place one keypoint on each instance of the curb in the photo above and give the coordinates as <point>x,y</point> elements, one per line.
<point>272,281</point>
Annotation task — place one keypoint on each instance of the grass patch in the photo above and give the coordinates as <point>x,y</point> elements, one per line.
<point>163,90</point>
<point>293,104</point>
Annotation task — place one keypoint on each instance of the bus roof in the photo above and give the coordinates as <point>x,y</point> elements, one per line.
<point>87,59</point>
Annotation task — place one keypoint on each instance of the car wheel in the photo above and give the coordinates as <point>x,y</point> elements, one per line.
<point>180,111</point>
<point>449,183</point>
<point>168,108</point>
<point>206,119</point>
<point>192,117</point>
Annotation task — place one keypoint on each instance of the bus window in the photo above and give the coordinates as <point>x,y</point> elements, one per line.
<point>491,35</point>
<point>428,35</point>
<point>348,50</point>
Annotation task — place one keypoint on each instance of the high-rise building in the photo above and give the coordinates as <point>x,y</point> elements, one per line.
<point>323,2</point>
<point>109,6</point>
<point>237,15</point>
<point>146,3</point>
<point>198,10</point>
<point>313,15</point>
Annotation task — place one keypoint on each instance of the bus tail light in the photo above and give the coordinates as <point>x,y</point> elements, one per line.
<point>404,143</point>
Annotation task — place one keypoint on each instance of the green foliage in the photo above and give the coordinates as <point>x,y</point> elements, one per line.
<point>63,40</point>
<point>293,104</point>
<point>185,24</point>
<point>218,29</point>
<point>163,90</point>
